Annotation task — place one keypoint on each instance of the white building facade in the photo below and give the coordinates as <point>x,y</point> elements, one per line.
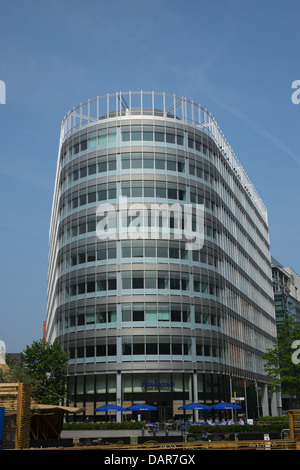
<point>169,311</point>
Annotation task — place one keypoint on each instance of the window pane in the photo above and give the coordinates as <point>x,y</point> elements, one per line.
<point>138,283</point>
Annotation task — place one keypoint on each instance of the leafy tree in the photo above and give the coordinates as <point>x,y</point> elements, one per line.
<point>15,373</point>
<point>281,370</point>
<point>46,364</point>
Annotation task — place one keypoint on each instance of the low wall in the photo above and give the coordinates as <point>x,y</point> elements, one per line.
<point>104,434</point>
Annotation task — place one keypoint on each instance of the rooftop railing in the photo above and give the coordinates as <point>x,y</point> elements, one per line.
<point>133,103</point>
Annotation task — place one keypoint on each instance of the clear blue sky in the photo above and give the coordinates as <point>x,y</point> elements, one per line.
<point>236,58</point>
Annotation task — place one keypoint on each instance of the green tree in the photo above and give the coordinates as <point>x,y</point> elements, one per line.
<point>46,364</point>
<point>15,373</point>
<point>284,373</point>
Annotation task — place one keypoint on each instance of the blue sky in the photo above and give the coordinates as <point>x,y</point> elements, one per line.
<point>238,59</point>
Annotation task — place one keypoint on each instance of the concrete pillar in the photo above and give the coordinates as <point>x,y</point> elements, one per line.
<point>195,394</point>
<point>119,395</point>
<point>276,405</point>
<point>265,400</point>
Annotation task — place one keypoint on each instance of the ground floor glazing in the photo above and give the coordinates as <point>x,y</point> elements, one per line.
<point>165,390</point>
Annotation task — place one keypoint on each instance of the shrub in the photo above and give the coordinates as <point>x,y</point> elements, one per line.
<point>103,425</point>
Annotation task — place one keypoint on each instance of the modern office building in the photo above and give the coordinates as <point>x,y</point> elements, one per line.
<point>160,282</point>
<point>286,285</point>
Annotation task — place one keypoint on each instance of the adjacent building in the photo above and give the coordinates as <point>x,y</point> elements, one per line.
<point>160,282</point>
<point>286,285</point>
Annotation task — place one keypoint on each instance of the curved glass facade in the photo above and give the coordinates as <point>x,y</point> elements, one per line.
<point>145,314</point>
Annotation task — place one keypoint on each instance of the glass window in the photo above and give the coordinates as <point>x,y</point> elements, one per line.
<point>174,283</point>
<point>92,142</point>
<point>150,280</point>
<point>159,163</point>
<point>101,350</point>
<point>147,136</point>
<point>150,249</point>
<point>181,167</point>
<point>83,145</point>
<point>125,136</point>
<point>137,314</point>
<point>171,165</point>
<point>112,284</point>
<point>92,197</point>
<point>82,200</point>
<point>172,193</point>
<point>164,347</point>
<point>126,348</point>
<point>102,195</point>
<point>91,255</point>
<point>126,281</point>
<point>83,172</point>
<point>162,281</point>
<point>126,250</point>
<point>126,312</point>
<point>112,165</point>
<point>138,348</point>
<point>136,135</point>
<point>138,283</point>
<point>151,348</point>
<point>90,315</point>
<point>112,316</point>
<point>82,228</point>
<point>100,316</point>
<point>102,139</point>
<point>170,138</point>
<point>180,139</point>
<point>176,348</point>
<point>101,285</point>
<point>159,136</point>
<point>176,314</point>
<point>162,250</point>
<point>160,192</point>
<point>112,136</point>
<point>149,191</point>
<point>151,312</point>
<point>102,167</point>
<point>137,250</point>
<point>91,226</point>
<point>163,312</point>
<point>136,162</point>
<point>126,191</point>
<point>137,191</point>
<point>125,162</point>
<point>92,169</point>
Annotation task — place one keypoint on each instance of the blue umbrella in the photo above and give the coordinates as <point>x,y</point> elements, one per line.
<point>110,407</point>
<point>195,406</point>
<point>226,406</point>
<point>142,407</point>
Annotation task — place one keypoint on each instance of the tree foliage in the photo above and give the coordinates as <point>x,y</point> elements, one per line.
<point>45,363</point>
<point>281,370</point>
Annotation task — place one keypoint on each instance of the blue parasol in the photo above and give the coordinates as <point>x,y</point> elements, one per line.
<point>142,407</point>
<point>110,407</point>
<point>195,406</point>
<point>226,406</point>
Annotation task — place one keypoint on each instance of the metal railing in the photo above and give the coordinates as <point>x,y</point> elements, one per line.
<point>124,105</point>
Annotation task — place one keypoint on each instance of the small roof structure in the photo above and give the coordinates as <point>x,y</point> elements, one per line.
<point>47,420</point>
